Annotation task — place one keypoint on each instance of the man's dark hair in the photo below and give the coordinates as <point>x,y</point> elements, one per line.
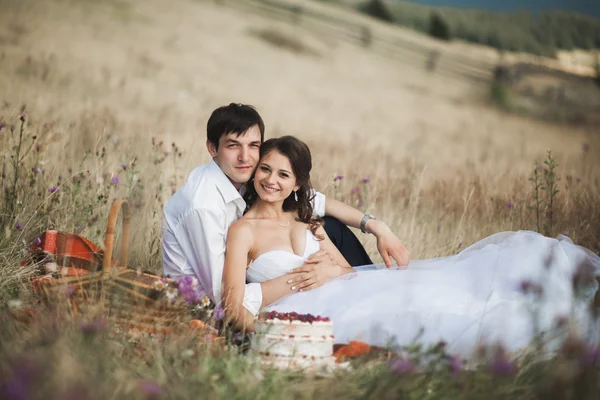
<point>235,118</point>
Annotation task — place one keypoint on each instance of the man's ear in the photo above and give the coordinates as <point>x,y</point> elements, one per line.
<point>212,149</point>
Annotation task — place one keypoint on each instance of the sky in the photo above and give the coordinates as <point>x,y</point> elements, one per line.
<point>588,7</point>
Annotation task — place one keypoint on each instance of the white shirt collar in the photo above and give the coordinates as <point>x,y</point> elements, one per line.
<point>224,185</point>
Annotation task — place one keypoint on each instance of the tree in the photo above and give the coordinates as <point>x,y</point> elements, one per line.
<point>377,9</point>
<point>438,28</point>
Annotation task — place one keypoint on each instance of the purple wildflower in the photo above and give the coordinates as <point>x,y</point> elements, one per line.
<point>583,276</point>
<point>525,286</point>
<point>19,226</point>
<point>402,366</point>
<point>115,180</point>
<point>355,189</point>
<point>459,245</point>
<point>591,356</point>
<point>510,204</point>
<point>2,125</point>
<point>36,170</point>
<point>22,379</point>
<point>501,365</point>
<point>188,288</point>
<point>38,241</point>
<point>456,365</point>
<point>53,189</point>
<point>366,180</point>
<point>124,166</point>
<point>561,321</point>
<point>92,327</point>
<point>38,148</point>
<point>22,117</point>
<point>338,177</point>
<point>219,313</point>
<point>150,388</point>
<point>528,287</point>
<point>360,203</point>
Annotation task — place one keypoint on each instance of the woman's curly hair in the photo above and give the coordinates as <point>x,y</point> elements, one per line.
<point>300,158</point>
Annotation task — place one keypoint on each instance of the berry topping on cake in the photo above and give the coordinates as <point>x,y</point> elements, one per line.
<point>294,316</point>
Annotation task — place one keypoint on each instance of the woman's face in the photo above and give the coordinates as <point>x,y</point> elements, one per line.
<point>274,179</point>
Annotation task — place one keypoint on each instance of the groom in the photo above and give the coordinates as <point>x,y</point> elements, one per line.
<point>197,217</point>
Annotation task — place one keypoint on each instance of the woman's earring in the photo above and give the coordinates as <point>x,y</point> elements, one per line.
<point>296,196</point>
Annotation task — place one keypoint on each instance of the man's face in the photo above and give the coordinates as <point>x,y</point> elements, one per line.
<point>237,156</point>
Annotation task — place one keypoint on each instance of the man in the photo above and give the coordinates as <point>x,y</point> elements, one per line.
<point>197,217</point>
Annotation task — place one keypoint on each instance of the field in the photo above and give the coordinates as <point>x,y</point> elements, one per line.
<point>117,94</point>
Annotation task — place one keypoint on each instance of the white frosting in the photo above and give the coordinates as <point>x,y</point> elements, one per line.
<point>296,328</point>
<point>284,345</point>
<point>294,344</point>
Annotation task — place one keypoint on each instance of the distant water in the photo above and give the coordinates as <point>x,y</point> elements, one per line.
<point>588,7</point>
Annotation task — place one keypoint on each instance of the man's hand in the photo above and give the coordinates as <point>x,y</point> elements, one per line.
<point>314,273</point>
<point>389,246</point>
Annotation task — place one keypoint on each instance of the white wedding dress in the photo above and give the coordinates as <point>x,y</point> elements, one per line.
<point>483,295</point>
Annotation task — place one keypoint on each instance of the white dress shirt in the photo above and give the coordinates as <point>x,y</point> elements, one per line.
<point>195,224</point>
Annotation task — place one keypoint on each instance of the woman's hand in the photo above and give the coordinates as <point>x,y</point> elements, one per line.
<point>315,272</point>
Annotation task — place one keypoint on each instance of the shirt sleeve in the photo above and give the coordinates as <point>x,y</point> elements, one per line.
<point>204,243</point>
<point>202,239</point>
<point>319,204</point>
<point>253,298</point>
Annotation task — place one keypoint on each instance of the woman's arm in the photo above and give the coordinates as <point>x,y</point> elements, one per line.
<point>240,239</point>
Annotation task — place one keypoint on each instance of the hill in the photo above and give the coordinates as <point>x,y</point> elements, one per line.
<point>531,28</point>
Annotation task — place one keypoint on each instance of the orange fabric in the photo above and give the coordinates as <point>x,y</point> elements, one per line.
<point>350,350</point>
<point>197,324</point>
<point>68,250</point>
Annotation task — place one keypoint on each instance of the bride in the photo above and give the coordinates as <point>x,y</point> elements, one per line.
<point>504,289</point>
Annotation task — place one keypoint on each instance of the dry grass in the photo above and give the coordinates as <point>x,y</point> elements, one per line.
<point>129,71</point>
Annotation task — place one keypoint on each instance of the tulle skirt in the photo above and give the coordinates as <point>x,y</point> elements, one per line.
<point>504,289</point>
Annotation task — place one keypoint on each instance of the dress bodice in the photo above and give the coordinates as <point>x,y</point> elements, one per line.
<point>275,263</point>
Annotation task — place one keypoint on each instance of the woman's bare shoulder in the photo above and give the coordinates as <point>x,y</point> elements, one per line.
<point>243,224</point>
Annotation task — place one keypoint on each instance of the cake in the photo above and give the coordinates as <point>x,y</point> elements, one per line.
<point>292,340</point>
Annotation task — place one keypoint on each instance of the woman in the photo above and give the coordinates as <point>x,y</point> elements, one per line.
<point>504,289</point>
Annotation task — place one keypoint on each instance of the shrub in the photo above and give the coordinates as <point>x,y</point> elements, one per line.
<point>438,28</point>
<point>377,9</point>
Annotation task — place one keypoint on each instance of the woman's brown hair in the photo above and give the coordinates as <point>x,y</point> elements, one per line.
<point>298,153</point>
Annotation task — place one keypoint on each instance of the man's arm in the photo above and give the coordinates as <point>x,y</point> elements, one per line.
<point>202,239</point>
<point>389,246</point>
